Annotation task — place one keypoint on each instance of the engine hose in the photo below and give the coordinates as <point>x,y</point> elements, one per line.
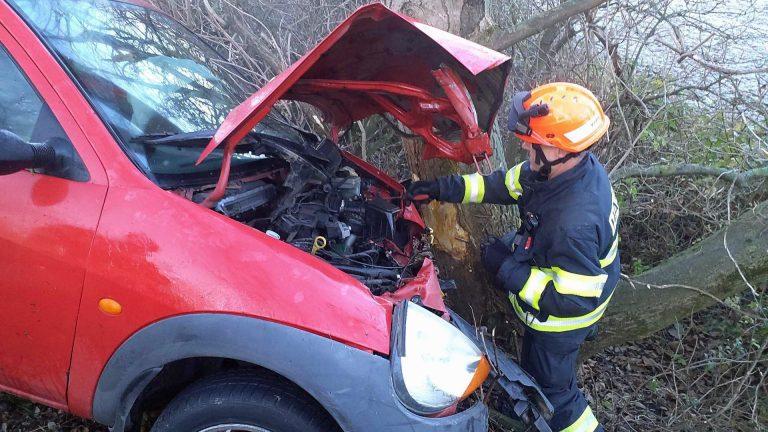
<point>370,272</point>
<point>380,283</point>
<point>370,254</point>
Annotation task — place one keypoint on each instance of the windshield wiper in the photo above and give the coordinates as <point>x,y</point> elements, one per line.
<point>191,139</point>
<point>199,138</point>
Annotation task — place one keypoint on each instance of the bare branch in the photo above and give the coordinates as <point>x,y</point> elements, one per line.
<point>503,40</point>
<point>675,92</point>
<point>691,51</point>
<point>609,46</point>
<point>712,66</point>
<point>740,178</point>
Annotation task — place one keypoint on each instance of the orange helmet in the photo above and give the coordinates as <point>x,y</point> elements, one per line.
<point>562,115</point>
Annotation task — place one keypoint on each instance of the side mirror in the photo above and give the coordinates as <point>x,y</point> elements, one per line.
<point>17,154</point>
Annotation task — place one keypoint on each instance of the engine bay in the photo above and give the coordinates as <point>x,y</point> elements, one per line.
<point>308,195</point>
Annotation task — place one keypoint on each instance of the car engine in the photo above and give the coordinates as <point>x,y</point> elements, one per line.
<point>307,195</point>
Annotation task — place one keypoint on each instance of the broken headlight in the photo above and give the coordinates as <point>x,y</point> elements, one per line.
<point>434,366</point>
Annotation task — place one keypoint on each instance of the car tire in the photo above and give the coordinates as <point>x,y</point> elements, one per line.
<point>244,401</point>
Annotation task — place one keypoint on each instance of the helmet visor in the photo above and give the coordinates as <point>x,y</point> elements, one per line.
<point>518,120</point>
<point>520,117</point>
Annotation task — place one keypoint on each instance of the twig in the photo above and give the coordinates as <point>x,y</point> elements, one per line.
<point>743,380</point>
<point>634,142</point>
<point>712,66</point>
<point>363,139</point>
<point>749,128</point>
<point>632,282</point>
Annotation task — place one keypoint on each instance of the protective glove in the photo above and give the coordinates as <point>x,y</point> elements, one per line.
<point>509,275</point>
<point>493,252</point>
<point>423,191</point>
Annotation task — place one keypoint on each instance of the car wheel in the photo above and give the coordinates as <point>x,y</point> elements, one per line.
<point>243,401</point>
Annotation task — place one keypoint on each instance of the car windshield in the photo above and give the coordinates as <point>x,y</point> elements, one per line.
<point>147,77</point>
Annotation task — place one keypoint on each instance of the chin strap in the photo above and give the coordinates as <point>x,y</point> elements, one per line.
<point>546,164</point>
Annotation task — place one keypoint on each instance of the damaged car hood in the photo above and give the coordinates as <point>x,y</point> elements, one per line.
<point>442,87</point>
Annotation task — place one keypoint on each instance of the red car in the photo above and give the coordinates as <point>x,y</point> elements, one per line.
<point>173,259</point>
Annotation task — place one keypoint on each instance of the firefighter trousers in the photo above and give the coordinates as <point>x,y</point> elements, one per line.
<point>551,359</point>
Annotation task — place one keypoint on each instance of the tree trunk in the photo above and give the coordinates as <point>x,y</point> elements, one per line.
<point>689,281</point>
<point>459,17</point>
<point>458,230</point>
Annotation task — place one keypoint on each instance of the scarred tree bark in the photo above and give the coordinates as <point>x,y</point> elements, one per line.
<point>458,230</point>
<point>456,16</point>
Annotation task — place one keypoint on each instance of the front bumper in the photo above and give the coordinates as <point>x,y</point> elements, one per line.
<point>363,400</point>
<point>372,405</point>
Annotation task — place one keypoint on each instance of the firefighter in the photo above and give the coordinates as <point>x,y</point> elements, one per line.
<point>560,268</point>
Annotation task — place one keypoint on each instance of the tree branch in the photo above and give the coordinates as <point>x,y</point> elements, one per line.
<point>740,178</point>
<point>647,99</point>
<point>502,40</point>
<point>610,47</point>
<point>688,54</point>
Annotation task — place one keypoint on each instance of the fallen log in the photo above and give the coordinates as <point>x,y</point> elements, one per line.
<point>690,281</point>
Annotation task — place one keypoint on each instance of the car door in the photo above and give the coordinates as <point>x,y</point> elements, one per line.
<point>47,224</point>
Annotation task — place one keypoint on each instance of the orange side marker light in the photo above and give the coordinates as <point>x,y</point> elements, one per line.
<point>481,373</point>
<point>110,306</point>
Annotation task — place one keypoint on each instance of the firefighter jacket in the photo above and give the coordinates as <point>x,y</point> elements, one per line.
<point>563,266</point>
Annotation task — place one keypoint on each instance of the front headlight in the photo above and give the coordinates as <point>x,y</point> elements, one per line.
<point>434,365</point>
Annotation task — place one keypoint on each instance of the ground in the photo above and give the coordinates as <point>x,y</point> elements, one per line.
<point>705,373</point>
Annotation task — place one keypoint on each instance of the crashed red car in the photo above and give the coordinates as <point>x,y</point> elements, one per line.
<point>175,259</point>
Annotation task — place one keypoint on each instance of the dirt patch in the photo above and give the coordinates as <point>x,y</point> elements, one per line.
<point>17,415</point>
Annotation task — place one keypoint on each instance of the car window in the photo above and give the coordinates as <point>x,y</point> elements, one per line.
<point>23,112</point>
<point>147,76</point>
<point>146,73</point>
<point>19,105</point>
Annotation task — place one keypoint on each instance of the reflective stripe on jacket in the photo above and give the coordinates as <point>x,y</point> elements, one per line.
<point>560,277</point>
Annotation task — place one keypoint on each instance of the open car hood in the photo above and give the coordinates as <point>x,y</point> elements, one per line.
<point>442,87</point>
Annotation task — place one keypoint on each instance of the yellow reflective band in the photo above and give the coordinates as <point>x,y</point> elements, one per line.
<point>480,187</point>
<point>577,284</point>
<point>608,260</point>
<point>534,286</point>
<point>512,181</point>
<point>587,422</point>
<point>474,188</point>
<point>467,188</point>
<point>557,324</point>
